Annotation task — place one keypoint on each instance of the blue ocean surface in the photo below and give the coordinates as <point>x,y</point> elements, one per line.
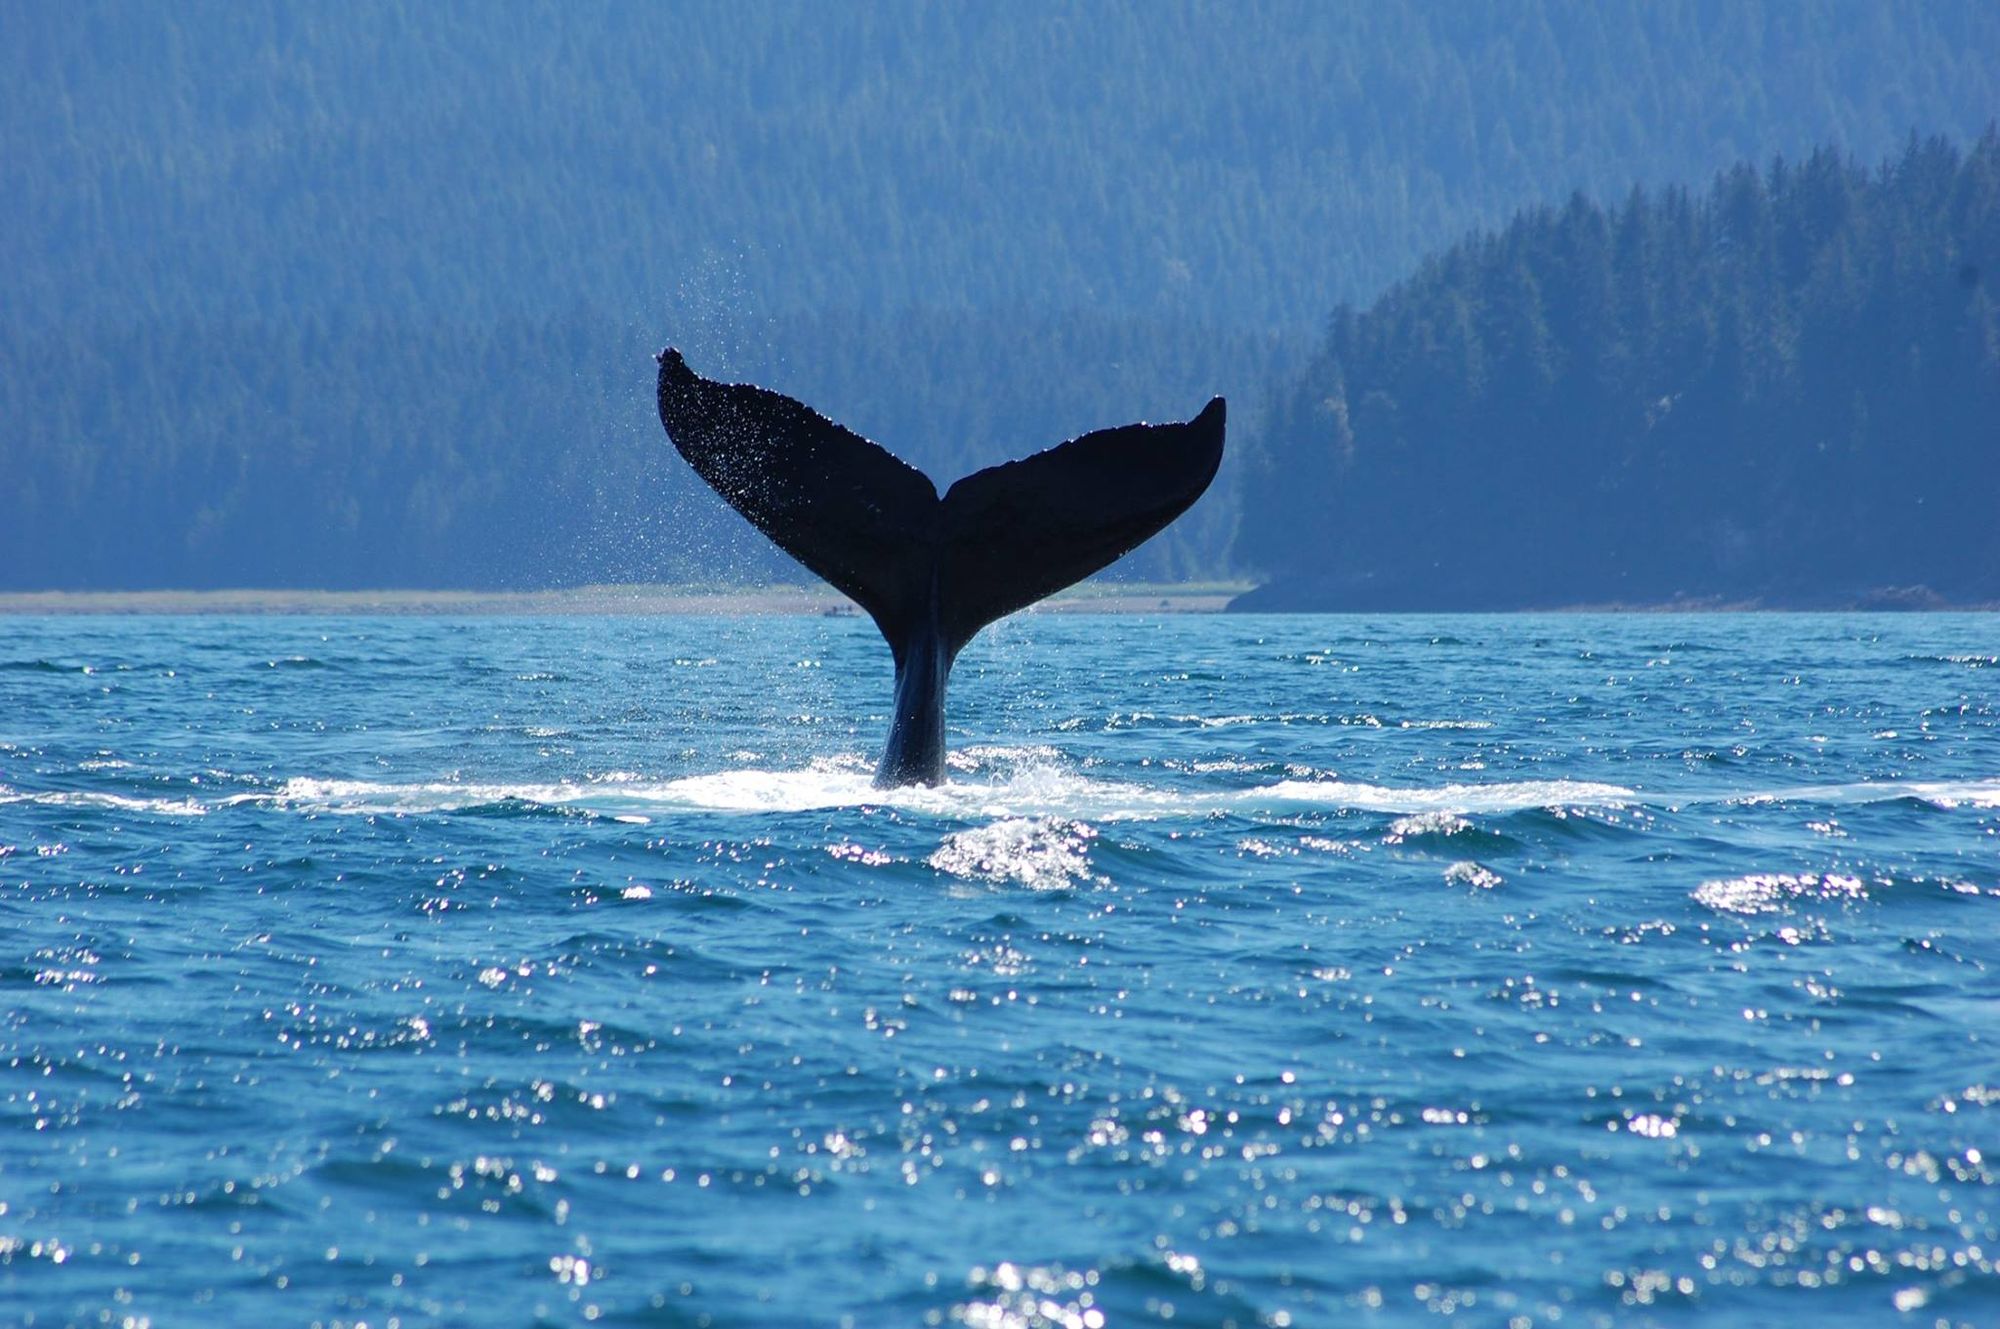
<point>1525,970</point>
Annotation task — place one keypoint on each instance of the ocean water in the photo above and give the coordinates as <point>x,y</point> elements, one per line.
<point>1249,971</point>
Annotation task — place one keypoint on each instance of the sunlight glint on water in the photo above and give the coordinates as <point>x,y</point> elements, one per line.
<point>1532,970</point>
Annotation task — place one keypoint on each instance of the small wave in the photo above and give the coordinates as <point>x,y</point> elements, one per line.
<point>1224,765</point>
<point>81,798</point>
<point>1041,853</point>
<point>1945,794</point>
<point>1968,661</point>
<point>1477,876</point>
<point>1030,789</point>
<point>1008,783</point>
<point>769,791</point>
<point>981,755</point>
<point>1035,790</point>
<point>375,798</point>
<point>1420,825</point>
<point>1500,796</point>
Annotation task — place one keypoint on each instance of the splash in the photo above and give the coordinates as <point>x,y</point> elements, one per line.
<point>1024,791</point>
<point>1041,853</point>
<point>1023,784</point>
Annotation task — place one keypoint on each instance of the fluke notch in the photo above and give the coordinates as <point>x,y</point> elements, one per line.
<point>932,572</point>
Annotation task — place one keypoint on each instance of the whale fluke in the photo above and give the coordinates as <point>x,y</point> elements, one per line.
<point>932,572</point>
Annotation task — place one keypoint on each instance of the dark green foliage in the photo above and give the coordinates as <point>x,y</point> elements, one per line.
<point>1787,390</point>
<point>522,453</point>
<point>365,292</point>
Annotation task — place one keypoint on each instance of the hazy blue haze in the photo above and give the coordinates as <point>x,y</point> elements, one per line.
<point>344,295</point>
<point>1247,163</point>
<point>1351,969</point>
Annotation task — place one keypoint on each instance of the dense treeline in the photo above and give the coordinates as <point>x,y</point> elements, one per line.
<point>1249,163</point>
<point>342,453</point>
<point>1784,390</point>
<point>365,293</point>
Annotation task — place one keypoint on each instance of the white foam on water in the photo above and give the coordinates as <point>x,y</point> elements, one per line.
<point>1028,790</point>
<point>1475,875</point>
<point>1939,793</point>
<point>1435,822</point>
<point>78,798</point>
<point>1040,853</point>
<point>1453,799</point>
<point>758,791</point>
<point>1007,783</point>
<point>376,798</point>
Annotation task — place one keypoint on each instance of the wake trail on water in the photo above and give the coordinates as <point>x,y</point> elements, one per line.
<point>1030,790</point>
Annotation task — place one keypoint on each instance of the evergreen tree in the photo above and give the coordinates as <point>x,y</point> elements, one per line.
<point>1785,391</point>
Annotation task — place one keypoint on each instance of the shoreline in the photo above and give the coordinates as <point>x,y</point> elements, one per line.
<point>736,601</point>
<point>1105,598</point>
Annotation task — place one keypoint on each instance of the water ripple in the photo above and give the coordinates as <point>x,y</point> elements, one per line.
<point>1252,971</point>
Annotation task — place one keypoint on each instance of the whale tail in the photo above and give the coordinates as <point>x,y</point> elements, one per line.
<point>875,528</point>
<point>932,571</point>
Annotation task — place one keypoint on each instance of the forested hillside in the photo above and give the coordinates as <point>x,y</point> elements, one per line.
<point>1783,390</point>
<point>519,453</point>
<point>365,293</point>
